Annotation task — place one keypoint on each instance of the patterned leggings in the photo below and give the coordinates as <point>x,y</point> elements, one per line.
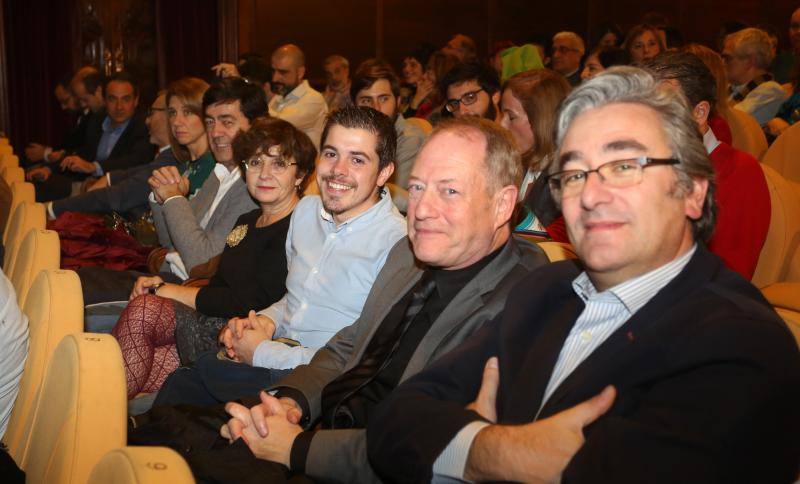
<point>157,335</point>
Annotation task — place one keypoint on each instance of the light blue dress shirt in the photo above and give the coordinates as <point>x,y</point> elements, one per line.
<point>331,271</point>
<point>107,142</point>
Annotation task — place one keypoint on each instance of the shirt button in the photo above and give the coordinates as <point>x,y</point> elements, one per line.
<point>303,306</point>
<point>586,336</point>
<point>349,229</point>
<point>314,270</point>
<point>333,236</point>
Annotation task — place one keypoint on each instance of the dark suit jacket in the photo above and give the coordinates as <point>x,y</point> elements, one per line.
<point>132,148</point>
<point>76,137</point>
<point>708,379</point>
<point>340,454</point>
<point>127,194</point>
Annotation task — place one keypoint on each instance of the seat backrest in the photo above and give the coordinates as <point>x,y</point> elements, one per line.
<point>55,309</point>
<point>9,160</point>
<point>784,154</point>
<point>6,149</point>
<point>746,133</point>
<point>556,251</point>
<point>25,218</point>
<point>81,411</point>
<point>22,192</point>
<point>422,124</point>
<point>40,250</point>
<point>779,259</point>
<point>142,465</point>
<point>12,174</point>
<point>785,298</point>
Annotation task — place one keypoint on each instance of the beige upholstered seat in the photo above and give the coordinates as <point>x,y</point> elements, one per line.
<point>784,154</point>
<point>556,251</point>
<point>55,309</point>
<point>422,124</point>
<point>6,149</point>
<point>26,217</point>
<point>22,192</point>
<point>12,174</point>
<point>141,465</point>
<point>785,298</point>
<point>9,160</point>
<point>746,133</point>
<point>779,260</point>
<point>80,414</point>
<point>40,250</point>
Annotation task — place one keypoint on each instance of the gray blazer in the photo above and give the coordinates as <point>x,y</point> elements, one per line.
<point>178,222</point>
<point>341,454</point>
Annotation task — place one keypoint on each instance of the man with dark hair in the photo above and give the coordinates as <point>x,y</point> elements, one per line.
<point>256,70</point>
<point>375,85</point>
<point>742,194</point>
<point>650,313</point>
<point>472,89</point>
<point>37,152</point>
<point>115,138</point>
<point>295,100</point>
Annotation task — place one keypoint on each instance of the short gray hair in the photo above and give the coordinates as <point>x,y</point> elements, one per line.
<point>336,58</point>
<point>752,42</point>
<point>624,84</point>
<point>573,38</point>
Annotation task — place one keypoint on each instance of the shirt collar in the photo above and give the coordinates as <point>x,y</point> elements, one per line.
<point>163,149</point>
<point>636,292</point>
<point>120,128</point>
<point>298,91</point>
<point>449,283</point>
<point>710,141</point>
<point>222,173</point>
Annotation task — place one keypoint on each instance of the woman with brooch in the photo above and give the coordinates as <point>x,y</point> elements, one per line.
<point>277,159</point>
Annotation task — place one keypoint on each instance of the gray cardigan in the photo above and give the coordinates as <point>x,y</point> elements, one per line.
<point>178,222</point>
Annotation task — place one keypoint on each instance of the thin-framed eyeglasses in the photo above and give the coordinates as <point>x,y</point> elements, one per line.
<point>272,157</point>
<point>563,49</point>
<point>466,99</point>
<point>617,173</point>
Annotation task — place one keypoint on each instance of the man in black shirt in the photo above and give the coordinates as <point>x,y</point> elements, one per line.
<point>431,294</point>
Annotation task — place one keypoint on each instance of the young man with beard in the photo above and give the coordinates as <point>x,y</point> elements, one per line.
<point>336,245</point>
<point>375,85</point>
<point>472,89</point>
<point>296,101</point>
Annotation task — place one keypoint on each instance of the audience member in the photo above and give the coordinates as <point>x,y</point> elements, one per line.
<point>193,231</point>
<point>429,106</point>
<point>603,58</point>
<point>256,70</point>
<point>472,89</point>
<point>337,76</point>
<point>125,191</point>
<point>722,108</point>
<point>567,51</point>
<point>747,56</point>
<point>652,313</point>
<point>742,195</point>
<point>462,47</point>
<point>524,58</point>
<point>375,85</point>
<point>277,159</point>
<point>606,34</point>
<point>335,248</point>
<point>644,42</point>
<point>496,55</point>
<point>36,152</point>
<point>414,88</point>
<point>115,138</point>
<point>87,86</point>
<point>295,100</point>
<point>529,103</point>
<point>14,338</point>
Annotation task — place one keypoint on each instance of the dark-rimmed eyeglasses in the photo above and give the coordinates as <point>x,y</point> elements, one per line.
<point>617,173</point>
<point>466,99</point>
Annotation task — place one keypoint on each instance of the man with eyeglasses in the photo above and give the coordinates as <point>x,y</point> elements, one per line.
<point>566,54</point>
<point>705,373</point>
<point>375,85</point>
<point>472,89</point>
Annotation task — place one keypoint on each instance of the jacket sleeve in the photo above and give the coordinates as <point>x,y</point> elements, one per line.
<point>340,453</point>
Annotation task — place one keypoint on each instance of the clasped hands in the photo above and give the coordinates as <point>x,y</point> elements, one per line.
<point>242,336</point>
<point>167,182</point>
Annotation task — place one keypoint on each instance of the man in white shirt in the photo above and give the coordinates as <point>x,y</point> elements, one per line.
<point>748,54</point>
<point>652,313</point>
<point>295,100</point>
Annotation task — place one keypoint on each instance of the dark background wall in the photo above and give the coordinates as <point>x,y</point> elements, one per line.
<point>167,39</point>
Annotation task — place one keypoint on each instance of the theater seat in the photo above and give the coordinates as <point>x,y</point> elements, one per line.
<point>22,192</point>
<point>422,124</point>
<point>40,250</point>
<point>12,174</point>
<point>6,149</point>
<point>556,251</point>
<point>779,260</point>
<point>26,217</point>
<point>55,309</point>
<point>785,298</point>
<point>141,465</point>
<point>746,133</point>
<point>80,414</point>
<point>784,154</point>
<point>9,160</point>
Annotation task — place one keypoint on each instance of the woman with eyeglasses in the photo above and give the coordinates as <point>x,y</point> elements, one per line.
<point>277,159</point>
<point>529,102</point>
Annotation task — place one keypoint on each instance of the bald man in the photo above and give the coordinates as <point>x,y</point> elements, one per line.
<point>295,101</point>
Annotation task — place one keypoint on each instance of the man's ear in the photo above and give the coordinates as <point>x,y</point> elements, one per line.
<point>385,174</point>
<point>496,99</point>
<point>701,113</point>
<point>695,200</point>
<point>504,202</point>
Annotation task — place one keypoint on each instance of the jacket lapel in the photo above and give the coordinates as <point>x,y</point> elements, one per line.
<point>205,196</point>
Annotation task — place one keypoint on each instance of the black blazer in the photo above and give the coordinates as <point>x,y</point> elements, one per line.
<point>132,148</point>
<point>708,380</point>
<point>76,137</point>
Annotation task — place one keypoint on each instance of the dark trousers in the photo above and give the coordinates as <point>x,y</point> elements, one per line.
<point>213,380</point>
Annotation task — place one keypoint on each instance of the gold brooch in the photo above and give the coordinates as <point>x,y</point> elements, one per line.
<point>236,235</point>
